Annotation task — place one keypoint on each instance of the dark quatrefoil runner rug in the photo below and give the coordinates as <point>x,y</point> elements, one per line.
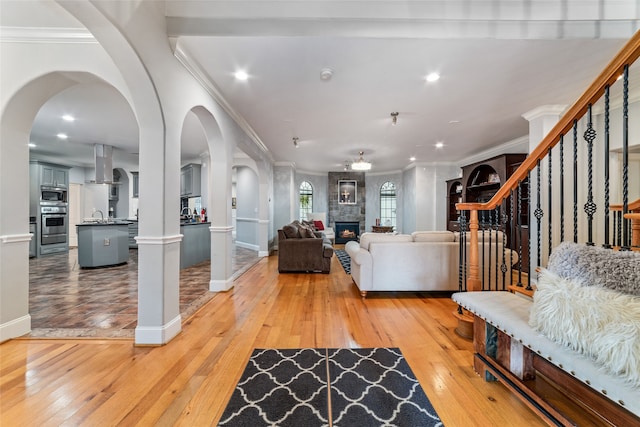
<point>344,259</point>
<point>368,387</point>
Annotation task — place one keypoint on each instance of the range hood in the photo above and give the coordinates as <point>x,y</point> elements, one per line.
<point>104,163</point>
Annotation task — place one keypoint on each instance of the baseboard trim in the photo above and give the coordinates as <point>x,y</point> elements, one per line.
<point>15,328</point>
<point>248,246</point>
<point>263,254</point>
<point>220,285</point>
<point>160,335</point>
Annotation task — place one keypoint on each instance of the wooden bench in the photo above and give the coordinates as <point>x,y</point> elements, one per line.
<point>560,385</point>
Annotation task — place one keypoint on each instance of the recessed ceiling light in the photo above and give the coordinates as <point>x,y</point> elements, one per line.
<point>439,144</point>
<point>454,122</point>
<point>62,136</point>
<point>412,159</point>
<point>432,77</point>
<point>32,145</point>
<point>68,118</point>
<point>241,75</point>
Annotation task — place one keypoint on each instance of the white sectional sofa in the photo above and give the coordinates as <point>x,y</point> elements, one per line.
<point>421,261</point>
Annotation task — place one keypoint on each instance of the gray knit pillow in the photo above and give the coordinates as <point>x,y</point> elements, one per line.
<point>597,266</point>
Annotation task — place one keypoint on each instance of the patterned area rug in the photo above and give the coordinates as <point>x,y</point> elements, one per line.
<point>368,387</point>
<point>344,259</point>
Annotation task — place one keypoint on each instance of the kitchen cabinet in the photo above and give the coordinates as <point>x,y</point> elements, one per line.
<point>190,180</point>
<point>136,184</point>
<point>133,233</point>
<point>32,243</point>
<point>102,244</point>
<point>195,246</point>
<point>54,176</point>
<point>49,175</point>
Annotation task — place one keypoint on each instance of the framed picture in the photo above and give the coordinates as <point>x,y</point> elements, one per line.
<point>347,192</point>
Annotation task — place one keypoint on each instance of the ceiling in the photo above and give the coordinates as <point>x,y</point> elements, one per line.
<point>496,63</point>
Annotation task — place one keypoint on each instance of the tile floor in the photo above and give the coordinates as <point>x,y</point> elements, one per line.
<point>68,301</point>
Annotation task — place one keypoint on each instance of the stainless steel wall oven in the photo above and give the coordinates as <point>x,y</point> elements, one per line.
<point>54,225</point>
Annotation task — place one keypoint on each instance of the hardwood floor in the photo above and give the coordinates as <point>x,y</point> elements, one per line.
<point>95,382</point>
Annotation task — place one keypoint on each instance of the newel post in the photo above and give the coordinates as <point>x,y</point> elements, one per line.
<point>473,280</point>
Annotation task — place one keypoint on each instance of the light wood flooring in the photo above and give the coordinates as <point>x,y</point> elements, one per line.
<point>96,382</point>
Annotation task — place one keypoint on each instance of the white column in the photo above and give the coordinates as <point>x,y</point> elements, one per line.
<point>159,238</point>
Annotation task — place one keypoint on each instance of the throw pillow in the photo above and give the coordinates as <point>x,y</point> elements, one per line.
<point>309,224</point>
<point>595,266</point>
<point>600,323</point>
<point>306,232</point>
<point>319,225</point>
<point>291,231</point>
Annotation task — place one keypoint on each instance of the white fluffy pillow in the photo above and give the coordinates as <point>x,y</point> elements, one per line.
<point>600,323</point>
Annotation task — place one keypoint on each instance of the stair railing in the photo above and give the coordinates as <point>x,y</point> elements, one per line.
<point>544,170</point>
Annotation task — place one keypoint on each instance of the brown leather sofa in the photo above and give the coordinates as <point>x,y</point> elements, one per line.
<point>300,249</point>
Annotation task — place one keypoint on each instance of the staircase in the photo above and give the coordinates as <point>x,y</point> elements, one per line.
<point>576,185</point>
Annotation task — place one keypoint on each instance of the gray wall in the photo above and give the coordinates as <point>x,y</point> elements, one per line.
<point>284,195</point>
<point>320,197</point>
<point>373,184</point>
<point>409,205</point>
<point>247,206</point>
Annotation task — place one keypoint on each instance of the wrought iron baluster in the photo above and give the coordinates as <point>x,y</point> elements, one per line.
<point>538,213</point>
<point>496,212</point>
<point>550,202</point>
<point>575,181</point>
<point>519,226</point>
<point>463,239</point>
<point>590,207</point>
<point>606,168</point>
<point>626,229</point>
<point>483,224</point>
<point>562,188</point>
<point>512,236</point>
<point>503,266</point>
<point>461,252</point>
<point>529,216</point>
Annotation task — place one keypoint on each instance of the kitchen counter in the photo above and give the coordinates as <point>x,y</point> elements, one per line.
<point>195,246</point>
<point>103,243</point>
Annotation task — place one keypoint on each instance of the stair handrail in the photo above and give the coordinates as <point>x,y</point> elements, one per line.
<point>627,55</point>
<point>632,206</point>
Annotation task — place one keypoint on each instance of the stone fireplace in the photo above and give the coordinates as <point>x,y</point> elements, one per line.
<point>346,213</point>
<point>346,231</point>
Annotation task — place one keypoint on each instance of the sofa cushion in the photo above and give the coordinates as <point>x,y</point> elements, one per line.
<point>309,224</point>
<point>367,238</point>
<point>432,236</point>
<point>291,231</point>
<point>319,225</point>
<point>597,322</point>
<point>306,232</point>
<point>594,266</point>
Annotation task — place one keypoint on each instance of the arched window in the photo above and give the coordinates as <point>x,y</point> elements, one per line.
<point>306,200</point>
<point>388,204</point>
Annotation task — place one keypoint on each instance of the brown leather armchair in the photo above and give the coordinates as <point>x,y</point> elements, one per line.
<point>304,254</point>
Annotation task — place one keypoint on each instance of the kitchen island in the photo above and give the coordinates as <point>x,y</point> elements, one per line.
<point>195,246</point>
<point>103,243</point>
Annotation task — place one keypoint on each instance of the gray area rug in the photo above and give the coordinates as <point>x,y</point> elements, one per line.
<point>313,387</point>
<point>344,259</point>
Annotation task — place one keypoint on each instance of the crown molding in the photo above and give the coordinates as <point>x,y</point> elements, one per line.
<point>513,146</point>
<point>46,35</point>
<point>201,77</point>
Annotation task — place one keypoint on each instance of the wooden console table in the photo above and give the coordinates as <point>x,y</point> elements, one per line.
<point>382,228</point>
